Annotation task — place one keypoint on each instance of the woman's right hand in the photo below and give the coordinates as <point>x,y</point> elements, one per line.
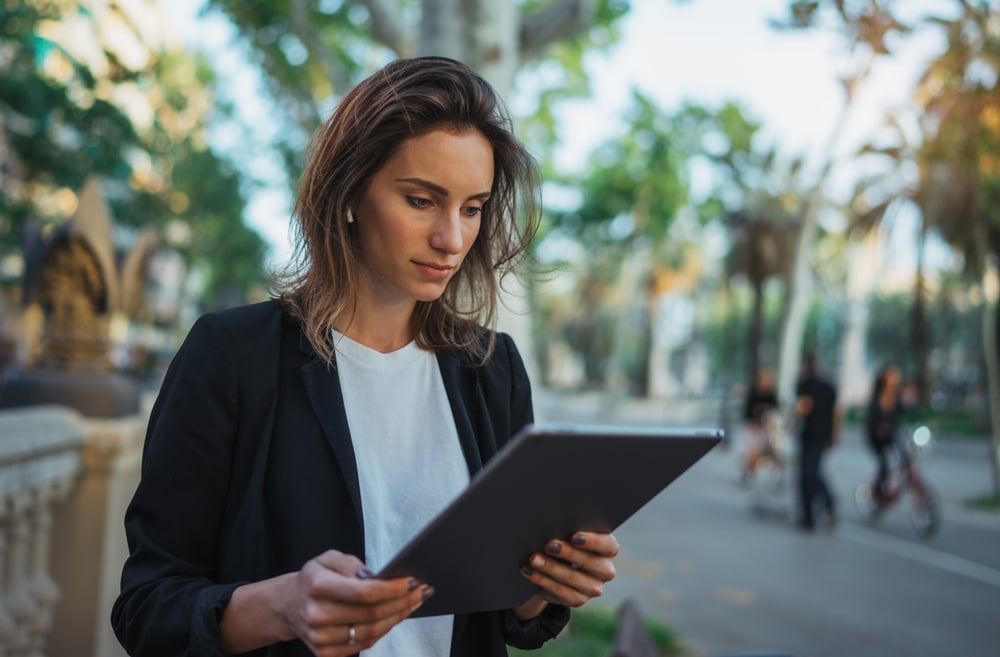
<point>335,592</point>
<point>333,604</point>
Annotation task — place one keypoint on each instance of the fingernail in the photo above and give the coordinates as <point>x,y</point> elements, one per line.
<point>414,583</point>
<point>537,561</point>
<point>553,548</point>
<point>365,573</point>
<point>428,592</point>
<point>527,570</point>
<point>416,606</point>
<point>579,539</point>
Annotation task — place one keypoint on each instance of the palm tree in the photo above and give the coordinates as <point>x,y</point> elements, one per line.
<point>868,28</point>
<point>959,163</point>
<point>758,198</point>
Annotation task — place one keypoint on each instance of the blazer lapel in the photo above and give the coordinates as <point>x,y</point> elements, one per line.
<point>461,383</point>
<point>323,386</point>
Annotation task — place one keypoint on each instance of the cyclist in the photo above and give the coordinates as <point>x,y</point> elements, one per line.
<point>889,401</point>
<point>759,407</point>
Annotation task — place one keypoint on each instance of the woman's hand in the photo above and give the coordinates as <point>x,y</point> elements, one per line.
<point>333,604</point>
<point>569,572</point>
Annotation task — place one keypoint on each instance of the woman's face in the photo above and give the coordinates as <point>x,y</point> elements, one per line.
<point>420,215</point>
<point>893,377</point>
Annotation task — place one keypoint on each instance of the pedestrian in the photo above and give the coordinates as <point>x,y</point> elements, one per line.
<point>297,444</point>
<point>819,415</point>
<point>759,408</point>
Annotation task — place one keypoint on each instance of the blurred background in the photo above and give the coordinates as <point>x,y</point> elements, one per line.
<point>727,185</point>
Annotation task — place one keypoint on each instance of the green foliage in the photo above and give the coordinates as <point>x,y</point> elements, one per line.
<point>57,139</point>
<point>311,53</point>
<point>959,159</point>
<point>591,633</point>
<point>635,182</point>
<point>60,127</point>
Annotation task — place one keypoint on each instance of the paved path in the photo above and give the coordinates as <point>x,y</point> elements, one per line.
<point>725,567</point>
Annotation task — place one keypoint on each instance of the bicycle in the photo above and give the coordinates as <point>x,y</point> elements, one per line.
<point>905,476</point>
<point>766,458</point>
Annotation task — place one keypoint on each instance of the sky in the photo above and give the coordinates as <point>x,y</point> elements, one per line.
<point>706,51</point>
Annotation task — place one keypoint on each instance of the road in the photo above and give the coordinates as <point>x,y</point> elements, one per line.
<point>725,567</point>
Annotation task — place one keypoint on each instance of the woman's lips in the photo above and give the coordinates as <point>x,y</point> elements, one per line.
<point>435,271</point>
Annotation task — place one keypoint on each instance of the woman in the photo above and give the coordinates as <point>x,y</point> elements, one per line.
<point>885,408</point>
<point>298,443</point>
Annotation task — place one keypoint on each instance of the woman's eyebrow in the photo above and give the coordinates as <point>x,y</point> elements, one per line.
<point>438,189</point>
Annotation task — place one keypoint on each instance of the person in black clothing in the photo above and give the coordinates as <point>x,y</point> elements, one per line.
<point>297,444</point>
<point>816,405</point>
<point>761,401</point>
<point>889,401</point>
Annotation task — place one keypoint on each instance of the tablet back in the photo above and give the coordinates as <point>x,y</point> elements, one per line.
<point>548,482</point>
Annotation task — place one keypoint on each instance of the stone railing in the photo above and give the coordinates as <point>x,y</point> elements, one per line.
<point>64,483</point>
<point>39,464</point>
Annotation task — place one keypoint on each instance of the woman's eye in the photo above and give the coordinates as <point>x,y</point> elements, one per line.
<point>418,201</point>
<point>471,211</point>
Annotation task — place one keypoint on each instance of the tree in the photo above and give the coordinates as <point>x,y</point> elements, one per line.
<point>868,28</point>
<point>133,116</point>
<point>759,199</point>
<point>312,52</point>
<point>629,196</point>
<point>959,161</point>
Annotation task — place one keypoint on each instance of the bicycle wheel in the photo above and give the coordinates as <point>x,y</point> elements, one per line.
<point>864,502</point>
<point>925,512</point>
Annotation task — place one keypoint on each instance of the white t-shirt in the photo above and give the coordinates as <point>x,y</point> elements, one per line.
<point>410,465</point>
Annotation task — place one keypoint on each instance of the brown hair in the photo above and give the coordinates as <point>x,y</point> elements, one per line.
<point>408,98</point>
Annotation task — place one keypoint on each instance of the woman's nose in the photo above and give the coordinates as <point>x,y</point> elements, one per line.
<point>447,235</point>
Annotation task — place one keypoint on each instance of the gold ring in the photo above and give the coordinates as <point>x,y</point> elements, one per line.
<point>350,635</point>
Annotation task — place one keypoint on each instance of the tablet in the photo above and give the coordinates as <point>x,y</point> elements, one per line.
<point>549,481</point>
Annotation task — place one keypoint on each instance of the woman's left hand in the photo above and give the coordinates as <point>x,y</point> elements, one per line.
<point>569,572</point>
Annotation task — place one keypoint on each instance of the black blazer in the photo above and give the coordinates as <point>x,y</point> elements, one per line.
<point>248,471</point>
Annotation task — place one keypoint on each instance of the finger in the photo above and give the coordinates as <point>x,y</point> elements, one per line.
<point>603,544</point>
<point>333,638</point>
<point>573,576</point>
<point>366,635</point>
<point>553,589</point>
<point>598,566</point>
<point>375,613</point>
<point>326,580</point>
<point>345,564</point>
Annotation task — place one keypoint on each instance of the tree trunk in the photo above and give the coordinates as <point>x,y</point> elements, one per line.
<point>755,332</point>
<point>495,51</point>
<point>918,320</point>
<point>798,295</point>
<point>443,30</point>
<point>800,280</point>
<point>991,353</point>
<point>855,373</point>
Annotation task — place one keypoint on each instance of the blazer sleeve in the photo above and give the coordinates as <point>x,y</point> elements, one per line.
<point>170,602</point>
<point>531,634</point>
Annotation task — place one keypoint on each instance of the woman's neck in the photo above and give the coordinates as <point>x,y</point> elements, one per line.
<point>384,330</point>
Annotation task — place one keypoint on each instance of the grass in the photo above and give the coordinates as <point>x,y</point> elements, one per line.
<point>988,502</point>
<point>591,633</point>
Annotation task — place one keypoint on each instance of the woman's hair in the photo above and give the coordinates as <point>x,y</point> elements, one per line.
<point>881,381</point>
<point>408,98</point>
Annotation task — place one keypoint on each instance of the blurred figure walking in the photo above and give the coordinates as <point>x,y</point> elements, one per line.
<point>816,406</point>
